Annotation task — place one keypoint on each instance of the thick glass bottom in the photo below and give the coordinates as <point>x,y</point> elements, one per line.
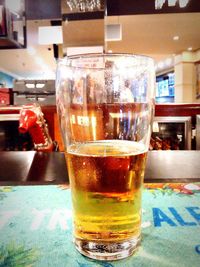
<point>108,251</point>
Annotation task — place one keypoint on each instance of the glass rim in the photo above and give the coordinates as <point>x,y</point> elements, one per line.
<point>94,55</point>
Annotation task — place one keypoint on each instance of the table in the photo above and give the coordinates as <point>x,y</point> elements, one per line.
<point>32,167</point>
<point>36,227</point>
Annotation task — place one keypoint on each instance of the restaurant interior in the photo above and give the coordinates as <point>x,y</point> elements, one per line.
<point>35,35</point>
<point>102,196</point>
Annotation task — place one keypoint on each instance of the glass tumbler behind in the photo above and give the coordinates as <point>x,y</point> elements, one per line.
<point>105,104</point>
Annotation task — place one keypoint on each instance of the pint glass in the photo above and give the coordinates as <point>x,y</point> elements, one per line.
<point>105,104</point>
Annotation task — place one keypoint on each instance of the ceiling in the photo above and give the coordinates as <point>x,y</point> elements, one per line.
<point>84,33</point>
<point>153,34</point>
<point>141,34</point>
<point>34,62</point>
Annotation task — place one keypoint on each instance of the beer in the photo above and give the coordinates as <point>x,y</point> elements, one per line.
<point>106,179</point>
<point>106,129</point>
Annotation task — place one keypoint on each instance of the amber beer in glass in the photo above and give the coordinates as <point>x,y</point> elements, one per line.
<point>105,104</point>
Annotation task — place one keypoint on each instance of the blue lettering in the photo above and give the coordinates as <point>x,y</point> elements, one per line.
<point>195,215</point>
<point>159,216</point>
<point>179,218</point>
<point>197,248</point>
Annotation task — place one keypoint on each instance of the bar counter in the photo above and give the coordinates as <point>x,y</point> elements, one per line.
<point>30,167</point>
<point>36,214</point>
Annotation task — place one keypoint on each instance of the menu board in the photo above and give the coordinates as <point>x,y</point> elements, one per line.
<point>165,88</point>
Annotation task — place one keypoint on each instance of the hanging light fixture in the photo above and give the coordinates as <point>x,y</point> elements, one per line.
<point>85,5</point>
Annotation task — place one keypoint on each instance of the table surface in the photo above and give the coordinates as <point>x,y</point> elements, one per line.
<point>36,227</point>
<point>50,168</point>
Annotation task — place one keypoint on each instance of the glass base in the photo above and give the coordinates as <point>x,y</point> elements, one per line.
<point>108,251</point>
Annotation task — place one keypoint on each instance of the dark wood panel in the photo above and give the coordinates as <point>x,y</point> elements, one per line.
<point>43,9</point>
<point>50,168</point>
<point>15,166</point>
<point>131,7</point>
<point>178,110</point>
<point>83,16</point>
<point>32,168</point>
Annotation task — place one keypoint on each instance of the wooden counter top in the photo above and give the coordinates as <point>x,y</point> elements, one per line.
<point>50,168</point>
<point>30,167</point>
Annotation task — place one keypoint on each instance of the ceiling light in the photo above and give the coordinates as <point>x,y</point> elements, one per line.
<point>189,49</point>
<point>40,85</point>
<point>85,5</point>
<point>160,65</point>
<point>168,61</point>
<point>110,51</point>
<point>30,85</point>
<point>176,38</point>
<point>41,98</point>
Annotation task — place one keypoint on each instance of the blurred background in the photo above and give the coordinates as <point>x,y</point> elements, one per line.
<point>35,34</point>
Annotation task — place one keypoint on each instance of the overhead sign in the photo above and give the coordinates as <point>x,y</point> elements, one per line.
<point>159,4</point>
<point>131,7</point>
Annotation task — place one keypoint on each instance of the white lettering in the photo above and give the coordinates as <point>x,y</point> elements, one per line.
<point>60,217</point>
<point>171,3</point>
<point>73,119</point>
<point>83,120</point>
<point>159,4</point>
<point>39,217</point>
